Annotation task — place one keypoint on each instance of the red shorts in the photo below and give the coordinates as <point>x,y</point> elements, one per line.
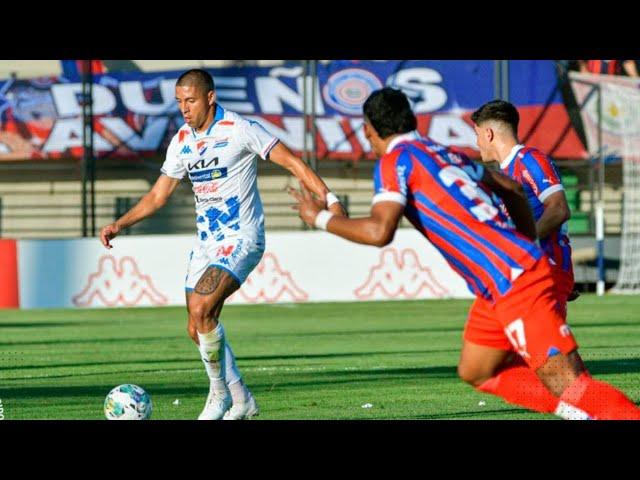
<point>527,319</point>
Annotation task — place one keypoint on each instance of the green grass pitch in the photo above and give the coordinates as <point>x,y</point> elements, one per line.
<point>312,361</point>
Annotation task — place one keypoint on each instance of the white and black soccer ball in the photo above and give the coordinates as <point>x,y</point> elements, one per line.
<point>127,402</point>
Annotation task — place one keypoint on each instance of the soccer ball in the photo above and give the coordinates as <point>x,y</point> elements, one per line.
<point>127,402</point>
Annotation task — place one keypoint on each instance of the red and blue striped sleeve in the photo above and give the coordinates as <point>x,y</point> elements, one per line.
<point>391,176</point>
<point>539,172</point>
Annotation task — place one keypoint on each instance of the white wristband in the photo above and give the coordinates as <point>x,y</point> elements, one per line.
<point>331,199</point>
<point>322,219</point>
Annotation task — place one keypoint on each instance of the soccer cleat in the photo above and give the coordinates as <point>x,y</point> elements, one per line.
<point>216,406</point>
<point>243,411</point>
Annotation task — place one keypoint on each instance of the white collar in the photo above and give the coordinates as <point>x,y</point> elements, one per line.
<point>404,137</point>
<point>512,154</point>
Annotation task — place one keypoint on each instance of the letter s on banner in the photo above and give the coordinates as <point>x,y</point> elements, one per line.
<point>418,85</point>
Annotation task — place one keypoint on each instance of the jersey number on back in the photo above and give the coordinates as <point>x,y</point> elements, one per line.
<point>483,210</point>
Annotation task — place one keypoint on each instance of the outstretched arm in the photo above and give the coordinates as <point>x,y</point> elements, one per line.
<point>284,157</point>
<point>514,199</point>
<point>154,200</point>
<point>378,229</point>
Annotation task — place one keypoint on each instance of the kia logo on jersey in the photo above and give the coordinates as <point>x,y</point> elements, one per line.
<point>202,163</point>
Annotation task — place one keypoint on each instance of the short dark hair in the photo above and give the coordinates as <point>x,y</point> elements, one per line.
<point>198,78</point>
<point>389,112</point>
<point>500,111</point>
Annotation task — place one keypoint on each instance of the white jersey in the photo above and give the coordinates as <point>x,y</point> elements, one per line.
<point>222,166</point>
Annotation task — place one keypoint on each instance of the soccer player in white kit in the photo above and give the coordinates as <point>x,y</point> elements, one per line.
<point>218,150</point>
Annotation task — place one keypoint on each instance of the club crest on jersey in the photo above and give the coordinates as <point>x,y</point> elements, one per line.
<point>201,146</point>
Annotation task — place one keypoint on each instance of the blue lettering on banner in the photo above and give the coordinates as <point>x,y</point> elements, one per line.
<point>140,112</point>
<point>208,175</point>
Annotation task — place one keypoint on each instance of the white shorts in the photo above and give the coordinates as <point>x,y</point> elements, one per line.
<point>236,255</point>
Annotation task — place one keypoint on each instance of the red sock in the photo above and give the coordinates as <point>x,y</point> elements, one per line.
<point>520,385</point>
<point>600,400</point>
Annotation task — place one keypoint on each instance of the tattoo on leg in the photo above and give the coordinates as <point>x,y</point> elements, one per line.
<point>209,281</point>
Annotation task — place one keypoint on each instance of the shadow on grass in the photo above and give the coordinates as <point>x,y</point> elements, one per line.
<point>356,377</point>
<point>194,358</point>
<point>392,331</point>
<point>580,326</point>
<point>468,414</point>
<point>303,356</point>
<point>111,363</point>
<point>96,390</point>
<point>320,379</point>
<point>96,340</point>
<point>614,365</point>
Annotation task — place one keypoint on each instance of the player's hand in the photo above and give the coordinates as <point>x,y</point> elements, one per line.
<point>573,295</point>
<point>108,233</point>
<point>338,209</point>
<point>308,207</point>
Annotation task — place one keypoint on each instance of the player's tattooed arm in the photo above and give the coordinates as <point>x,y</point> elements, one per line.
<point>209,281</point>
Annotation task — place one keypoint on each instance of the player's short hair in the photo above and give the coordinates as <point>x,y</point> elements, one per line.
<point>389,112</point>
<point>198,78</point>
<point>500,111</point>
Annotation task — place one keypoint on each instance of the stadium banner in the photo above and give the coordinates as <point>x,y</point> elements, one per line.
<point>136,114</point>
<point>300,266</point>
<point>619,110</point>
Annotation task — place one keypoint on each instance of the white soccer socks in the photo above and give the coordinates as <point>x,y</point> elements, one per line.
<point>212,351</point>
<point>244,404</point>
<point>232,374</point>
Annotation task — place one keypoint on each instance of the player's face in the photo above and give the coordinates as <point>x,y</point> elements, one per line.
<point>374,140</point>
<point>195,106</point>
<point>483,136</point>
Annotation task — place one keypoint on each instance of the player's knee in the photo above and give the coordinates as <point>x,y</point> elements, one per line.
<point>202,317</point>
<point>192,331</point>
<point>471,375</point>
<point>199,314</point>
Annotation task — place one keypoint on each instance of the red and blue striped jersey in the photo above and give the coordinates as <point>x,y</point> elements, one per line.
<point>539,177</point>
<point>445,200</point>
